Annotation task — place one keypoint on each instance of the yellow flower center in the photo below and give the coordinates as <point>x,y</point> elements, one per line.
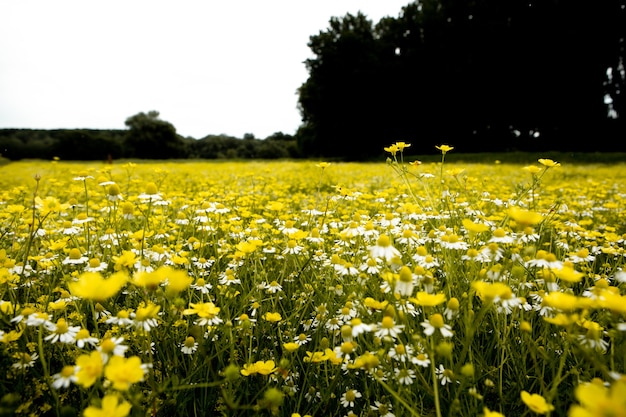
<point>436,320</point>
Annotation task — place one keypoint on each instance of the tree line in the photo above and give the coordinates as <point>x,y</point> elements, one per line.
<point>147,137</point>
<point>484,75</point>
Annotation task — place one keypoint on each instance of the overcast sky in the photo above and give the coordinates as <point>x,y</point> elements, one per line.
<point>208,67</point>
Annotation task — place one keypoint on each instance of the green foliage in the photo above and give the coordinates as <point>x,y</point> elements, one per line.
<point>488,75</point>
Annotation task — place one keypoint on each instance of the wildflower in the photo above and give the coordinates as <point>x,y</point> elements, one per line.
<point>323,165</point>
<point>349,397</point>
<point>126,260</point>
<point>122,372</point>
<point>92,286</point>
<point>273,287</point>
<point>549,163</point>
<point>389,328</point>
<point>444,148</point>
<point>524,217</point>
<point>75,257</point>
<point>444,375</point>
<point>422,360</point>
<point>145,317</point>
<point>25,360</point>
<point>405,282</point>
<point>94,265</point>
<point>202,286</point>
<point>122,319</point>
<point>272,317</point>
<point>112,346</point>
<point>151,193</point>
<point>83,338</point>
<point>110,407</point>
<point>489,413</point>
<point>384,250</point>
<point>89,369</point>
<point>568,273</point>
<point>384,409</point>
<point>425,299</point>
<point>291,346</point>
<point>302,339</point>
<point>436,323</point>
<point>452,308</point>
<point>38,319</point>
<point>64,378</point>
<point>189,346</point>
<point>207,313</point>
<point>358,327</point>
<point>114,193</point>
<point>472,227</point>
<point>596,399</point>
<point>536,403</point>
<point>61,332</point>
<point>392,149</point>
<point>404,376</point>
<point>259,367</point>
<point>316,357</point>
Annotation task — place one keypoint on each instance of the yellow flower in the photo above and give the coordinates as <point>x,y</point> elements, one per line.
<point>568,273</point>
<point>272,317</point>
<point>392,149</point>
<point>472,227</point>
<point>110,407</point>
<point>425,299</point>
<point>92,286</point>
<point>291,346</point>
<point>177,279</point>
<point>126,259</point>
<point>490,291</point>
<point>525,217</point>
<point>533,169</point>
<point>536,403</point>
<point>122,372</point>
<point>323,165</point>
<point>489,413</point>
<point>259,367</point>
<point>402,145</point>
<point>598,400</point>
<point>566,302</point>
<point>148,280</point>
<point>549,163</point>
<point>316,357</point>
<point>89,368</point>
<point>444,148</point>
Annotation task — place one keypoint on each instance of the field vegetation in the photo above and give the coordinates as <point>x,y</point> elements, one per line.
<point>293,288</point>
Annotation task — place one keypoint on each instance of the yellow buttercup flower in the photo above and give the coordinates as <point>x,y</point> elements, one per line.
<point>598,400</point>
<point>123,372</point>
<point>89,368</point>
<point>93,286</point>
<point>259,367</point>
<point>444,148</point>
<point>549,163</point>
<point>110,407</point>
<point>536,403</point>
<point>272,317</point>
<point>425,299</point>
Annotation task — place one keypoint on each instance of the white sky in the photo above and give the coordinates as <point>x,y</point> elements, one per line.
<point>208,67</point>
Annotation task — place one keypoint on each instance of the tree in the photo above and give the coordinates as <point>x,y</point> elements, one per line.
<point>486,75</point>
<point>152,138</point>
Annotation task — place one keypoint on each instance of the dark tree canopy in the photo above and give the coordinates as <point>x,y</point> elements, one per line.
<point>486,75</point>
<point>151,137</point>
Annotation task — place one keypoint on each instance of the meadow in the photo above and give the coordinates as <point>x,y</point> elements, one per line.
<point>295,288</point>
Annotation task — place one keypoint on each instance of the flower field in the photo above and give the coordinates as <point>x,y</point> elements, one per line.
<point>320,289</point>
